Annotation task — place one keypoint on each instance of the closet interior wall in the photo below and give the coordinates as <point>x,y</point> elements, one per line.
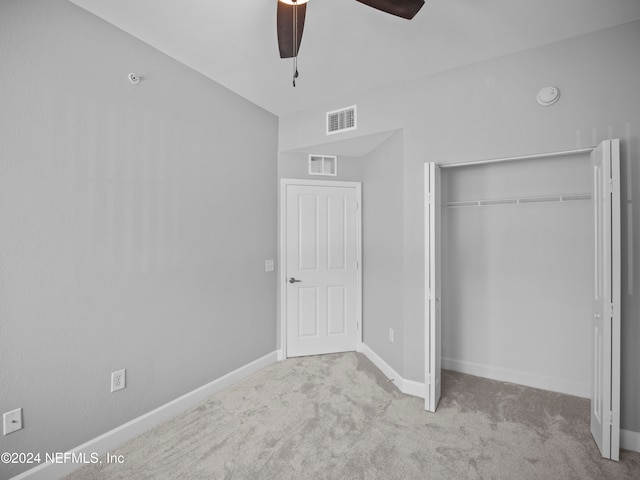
<point>518,271</point>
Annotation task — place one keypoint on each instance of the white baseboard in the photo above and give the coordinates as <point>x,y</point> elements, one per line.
<point>409,387</point>
<point>119,435</point>
<point>522,378</point>
<point>630,440</point>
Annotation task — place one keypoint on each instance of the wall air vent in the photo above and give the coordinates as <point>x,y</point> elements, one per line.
<point>323,165</point>
<point>342,120</point>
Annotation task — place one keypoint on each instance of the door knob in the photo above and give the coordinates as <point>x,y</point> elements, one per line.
<point>293,280</point>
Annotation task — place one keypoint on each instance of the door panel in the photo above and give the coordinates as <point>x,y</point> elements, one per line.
<point>336,219</point>
<point>307,312</point>
<point>433,315</point>
<point>605,329</point>
<point>321,256</point>
<point>308,248</point>
<point>337,310</point>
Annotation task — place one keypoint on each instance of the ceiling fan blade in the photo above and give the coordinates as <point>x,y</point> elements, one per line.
<point>400,8</point>
<point>285,27</point>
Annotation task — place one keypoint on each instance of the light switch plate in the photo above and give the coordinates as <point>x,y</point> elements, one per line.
<point>269,265</point>
<point>12,421</point>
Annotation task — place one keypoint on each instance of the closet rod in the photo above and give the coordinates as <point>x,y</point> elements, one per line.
<point>521,157</point>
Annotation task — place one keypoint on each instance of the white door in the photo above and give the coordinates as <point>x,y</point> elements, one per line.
<point>605,328</point>
<point>432,255</point>
<point>321,282</point>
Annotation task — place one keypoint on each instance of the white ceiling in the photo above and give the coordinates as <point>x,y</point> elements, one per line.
<point>347,47</point>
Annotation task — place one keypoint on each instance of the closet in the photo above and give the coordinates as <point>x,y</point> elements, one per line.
<point>522,269</point>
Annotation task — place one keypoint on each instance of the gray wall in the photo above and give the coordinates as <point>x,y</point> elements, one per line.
<point>488,110</point>
<point>382,255</point>
<point>135,221</point>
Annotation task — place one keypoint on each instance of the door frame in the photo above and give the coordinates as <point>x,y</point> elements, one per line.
<point>282,248</point>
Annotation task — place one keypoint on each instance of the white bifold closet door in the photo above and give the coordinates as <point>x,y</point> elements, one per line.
<point>605,319</point>
<point>605,322</point>
<point>432,208</point>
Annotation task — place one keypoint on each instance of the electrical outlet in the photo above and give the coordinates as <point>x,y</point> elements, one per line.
<point>12,421</point>
<point>391,335</point>
<point>269,265</point>
<point>118,380</point>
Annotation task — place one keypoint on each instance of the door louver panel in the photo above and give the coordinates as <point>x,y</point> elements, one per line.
<point>341,120</point>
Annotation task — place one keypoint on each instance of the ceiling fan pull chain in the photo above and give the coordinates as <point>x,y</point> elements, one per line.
<point>295,70</point>
<point>295,42</point>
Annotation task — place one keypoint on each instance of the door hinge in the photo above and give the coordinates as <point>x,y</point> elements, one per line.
<point>611,417</point>
<point>427,379</point>
<point>428,294</point>
<point>612,187</point>
<point>610,309</point>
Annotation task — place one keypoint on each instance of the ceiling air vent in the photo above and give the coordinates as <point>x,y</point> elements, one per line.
<point>341,120</point>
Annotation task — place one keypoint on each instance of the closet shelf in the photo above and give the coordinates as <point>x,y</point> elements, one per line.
<point>521,200</point>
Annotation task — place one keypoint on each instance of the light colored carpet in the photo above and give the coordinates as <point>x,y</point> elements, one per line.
<point>338,417</point>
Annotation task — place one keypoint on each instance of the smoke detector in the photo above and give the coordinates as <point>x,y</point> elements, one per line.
<point>548,96</point>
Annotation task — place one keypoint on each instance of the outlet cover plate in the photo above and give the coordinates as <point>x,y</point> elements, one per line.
<point>118,380</point>
<point>12,421</point>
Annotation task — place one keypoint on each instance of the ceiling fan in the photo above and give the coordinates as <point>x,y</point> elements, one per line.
<point>291,15</point>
